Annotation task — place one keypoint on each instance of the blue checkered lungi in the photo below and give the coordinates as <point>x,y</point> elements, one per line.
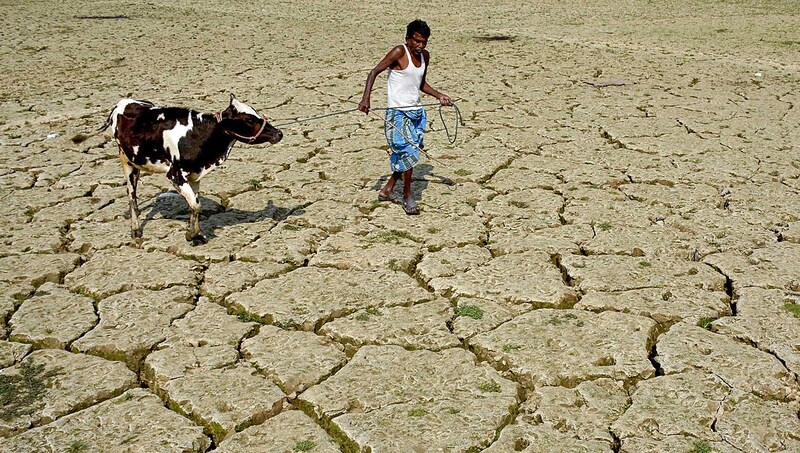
<point>412,125</point>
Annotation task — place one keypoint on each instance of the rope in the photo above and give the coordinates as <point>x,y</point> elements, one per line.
<point>312,118</point>
<point>450,139</point>
<point>457,122</point>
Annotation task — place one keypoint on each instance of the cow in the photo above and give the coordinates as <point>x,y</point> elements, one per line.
<point>185,144</point>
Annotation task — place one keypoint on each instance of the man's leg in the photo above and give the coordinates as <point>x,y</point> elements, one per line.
<point>409,205</point>
<point>407,184</point>
<point>386,191</point>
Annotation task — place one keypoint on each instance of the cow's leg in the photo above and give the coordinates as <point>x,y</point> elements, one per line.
<point>195,185</point>
<point>187,190</point>
<point>132,180</point>
<point>199,238</point>
<point>193,231</point>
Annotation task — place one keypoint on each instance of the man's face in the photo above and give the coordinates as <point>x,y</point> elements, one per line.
<point>416,43</point>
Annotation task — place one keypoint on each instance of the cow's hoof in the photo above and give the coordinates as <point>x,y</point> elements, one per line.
<point>197,240</point>
<point>137,242</point>
<point>136,234</point>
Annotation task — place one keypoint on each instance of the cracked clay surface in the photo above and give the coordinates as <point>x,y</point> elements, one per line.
<point>605,261</point>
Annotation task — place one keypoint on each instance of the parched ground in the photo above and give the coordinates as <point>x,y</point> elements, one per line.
<point>606,260</point>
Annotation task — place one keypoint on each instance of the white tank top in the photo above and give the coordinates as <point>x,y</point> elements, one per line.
<point>404,84</point>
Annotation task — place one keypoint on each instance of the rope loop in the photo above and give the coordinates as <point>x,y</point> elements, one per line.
<point>457,122</point>
<point>451,139</point>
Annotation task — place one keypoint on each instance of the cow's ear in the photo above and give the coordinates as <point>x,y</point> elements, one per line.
<point>233,96</point>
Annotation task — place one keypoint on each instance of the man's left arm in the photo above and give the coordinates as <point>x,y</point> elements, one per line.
<point>427,89</point>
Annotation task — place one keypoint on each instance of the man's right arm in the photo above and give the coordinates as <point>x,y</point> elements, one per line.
<point>384,64</point>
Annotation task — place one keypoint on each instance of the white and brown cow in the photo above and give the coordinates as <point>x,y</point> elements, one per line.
<point>184,144</point>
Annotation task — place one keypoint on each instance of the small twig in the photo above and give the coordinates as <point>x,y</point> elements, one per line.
<point>119,17</point>
<point>689,129</point>
<point>605,83</point>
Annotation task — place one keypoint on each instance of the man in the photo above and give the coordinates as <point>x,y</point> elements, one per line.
<point>405,117</point>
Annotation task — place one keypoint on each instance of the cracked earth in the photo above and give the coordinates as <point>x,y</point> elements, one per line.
<point>606,260</point>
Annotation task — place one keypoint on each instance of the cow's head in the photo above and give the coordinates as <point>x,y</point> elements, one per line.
<point>245,124</point>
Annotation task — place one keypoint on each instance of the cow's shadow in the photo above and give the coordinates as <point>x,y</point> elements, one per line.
<point>213,215</point>
<point>423,174</point>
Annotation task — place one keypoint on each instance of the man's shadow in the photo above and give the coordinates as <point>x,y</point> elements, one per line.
<point>423,174</point>
<point>213,215</point>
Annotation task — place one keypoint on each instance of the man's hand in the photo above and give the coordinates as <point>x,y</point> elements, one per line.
<point>445,100</point>
<point>364,105</point>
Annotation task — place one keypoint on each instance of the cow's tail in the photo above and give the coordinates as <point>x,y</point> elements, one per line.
<point>108,121</point>
<point>80,138</point>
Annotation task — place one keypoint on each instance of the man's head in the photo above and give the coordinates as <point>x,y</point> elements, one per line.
<point>417,33</point>
<point>418,26</point>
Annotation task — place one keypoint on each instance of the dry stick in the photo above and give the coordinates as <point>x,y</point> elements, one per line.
<point>118,17</point>
<point>689,130</point>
